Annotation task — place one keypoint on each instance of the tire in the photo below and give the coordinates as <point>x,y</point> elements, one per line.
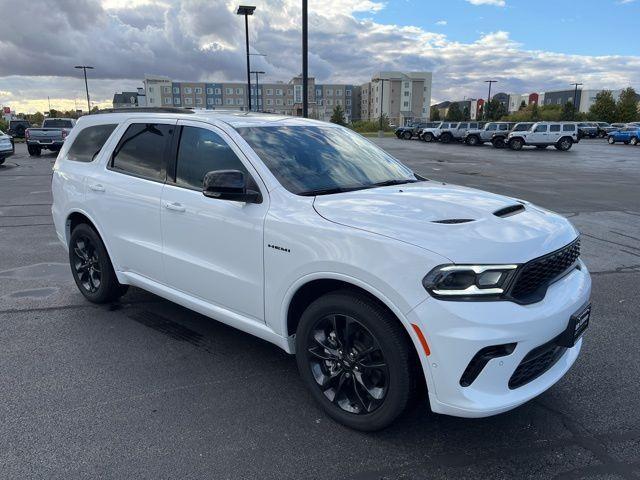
<point>516,144</point>
<point>446,137</point>
<point>633,141</point>
<point>91,266</point>
<point>472,140</point>
<point>564,144</point>
<point>2,160</point>
<point>611,140</point>
<point>407,135</point>
<point>428,137</point>
<point>34,151</point>
<point>499,142</point>
<point>335,379</point>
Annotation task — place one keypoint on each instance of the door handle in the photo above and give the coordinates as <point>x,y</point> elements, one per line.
<point>176,207</point>
<point>96,187</point>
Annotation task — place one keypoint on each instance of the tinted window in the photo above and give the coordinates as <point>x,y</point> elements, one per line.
<point>541,128</point>
<point>200,152</point>
<point>463,125</point>
<point>89,142</point>
<point>522,127</point>
<point>491,126</point>
<point>141,150</point>
<point>473,125</point>
<point>57,123</point>
<point>306,159</point>
<point>503,126</point>
<point>568,128</point>
<point>554,128</point>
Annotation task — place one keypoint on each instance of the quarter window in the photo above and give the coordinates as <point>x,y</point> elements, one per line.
<point>202,151</point>
<point>568,128</point>
<point>89,142</point>
<point>141,150</point>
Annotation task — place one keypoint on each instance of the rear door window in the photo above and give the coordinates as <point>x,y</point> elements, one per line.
<point>89,142</point>
<point>142,149</point>
<point>541,129</point>
<point>503,127</point>
<point>554,128</point>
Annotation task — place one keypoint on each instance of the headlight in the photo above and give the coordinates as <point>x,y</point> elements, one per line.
<point>472,282</point>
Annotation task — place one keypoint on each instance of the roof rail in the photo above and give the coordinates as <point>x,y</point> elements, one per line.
<point>145,110</point>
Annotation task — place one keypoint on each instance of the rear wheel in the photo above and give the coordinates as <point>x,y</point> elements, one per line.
<point>34,150</point>
<point>498,142</point>
<point>516,144</point>
<point>356,359</point>
<point>611,140</point>
<point>564,144</point>
<point>427,137</point>
<point>407,135</point>
<point>446,137</point>
<point>91,266</point>
<point>472,140</point>
<point>634,141</point>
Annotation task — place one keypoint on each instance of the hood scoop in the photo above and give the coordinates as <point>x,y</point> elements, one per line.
<point>453,220</point>
<point>509,211</point>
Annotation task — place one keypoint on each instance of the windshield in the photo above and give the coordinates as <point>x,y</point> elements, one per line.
<point>315,160</point>
<point>522,127</point>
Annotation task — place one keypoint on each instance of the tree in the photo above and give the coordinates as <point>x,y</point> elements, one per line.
<point>435,114</point>
<point>466,115</point>
<point>495,110</point>
<point>604,108</point>
<point>36,118</point>
<point>338,115</point>
<point>454,114</point>
<point>567,112</point>
<point>627,106</point>
<point>523,105</point>
<point>535,112</point>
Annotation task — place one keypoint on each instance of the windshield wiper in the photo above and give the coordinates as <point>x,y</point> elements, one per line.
<point>327,191</point>
<point>387,183</point>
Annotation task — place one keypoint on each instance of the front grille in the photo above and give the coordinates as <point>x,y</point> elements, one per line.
<point>535,363</point>
<point>534,277</point>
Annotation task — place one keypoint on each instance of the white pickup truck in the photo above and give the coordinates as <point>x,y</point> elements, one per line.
<point>50,136</point>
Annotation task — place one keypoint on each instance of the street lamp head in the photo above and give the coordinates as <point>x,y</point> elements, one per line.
<point>258,71</point>
<point>84,66</point>
<point>245,10</point>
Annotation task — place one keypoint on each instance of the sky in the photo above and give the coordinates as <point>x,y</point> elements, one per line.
<point>526,45</point>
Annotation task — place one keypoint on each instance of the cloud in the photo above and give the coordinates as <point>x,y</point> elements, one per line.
<point>441,22</point>
<point>497,3</point>
<point>204,40</point>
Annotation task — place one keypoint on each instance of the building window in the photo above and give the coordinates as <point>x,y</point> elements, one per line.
<point>348,93</point>
<point>329,102</point>
<point>406,104</point>
<point>218,91</point>
<point>218,101</point>
<point>239,91</point>
<point>209,101</point>
<point>278,101</point>
<point>289,91</point>
<point>188,101</point>
<point>198,101</point>
<point>209,91</point>
<point>198,91</point>
<point>289,101</point>
<point>150,89</point>
<point>269,101</point>
<point>228,91</point>
<point>239,101</point>
<point>348,102</point>
<point>228,101</point>
<point>329,91</point>
<point>187,90</point>
<point>167,100</point>
<point>339,92</point>
<point>338,101</point>
<point>176,101</point>
<point>279,91</point>
<point>167,89</point>
<point>318,92</point>
<point>176,89</point>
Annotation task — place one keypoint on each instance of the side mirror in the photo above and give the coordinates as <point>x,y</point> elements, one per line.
<point>229,185</point>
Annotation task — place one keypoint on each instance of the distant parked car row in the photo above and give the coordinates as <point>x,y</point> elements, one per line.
<point>629,135</point>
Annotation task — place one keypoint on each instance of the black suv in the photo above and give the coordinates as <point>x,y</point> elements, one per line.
<point>17,128</point>
<point>499,139</point>
<point>413,130</point>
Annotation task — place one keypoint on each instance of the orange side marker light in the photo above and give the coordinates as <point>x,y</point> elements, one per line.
<point>423,340</point>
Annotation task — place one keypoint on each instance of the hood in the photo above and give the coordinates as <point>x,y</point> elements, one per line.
<point>456,222</point>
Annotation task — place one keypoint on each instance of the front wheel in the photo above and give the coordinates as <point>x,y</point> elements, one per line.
<point>498,142</point>
<point>91,266</point>
<point>516,144</point>
<point>428,137</point>
<point>634,141</point>
<point>472,140</point>
<point>446,137</point>
<point>564,144</point>
<point>407,135</point>
<point>356,359</point>
<point>611,140</point>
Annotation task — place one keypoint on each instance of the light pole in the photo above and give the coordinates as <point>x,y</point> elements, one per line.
<point>575,97</point>
<point>486,109</point>
<point>86,85</point>
<point>381,80</point>
<point>257,72</point>
<point>247,10</point>
<point>305,63</point>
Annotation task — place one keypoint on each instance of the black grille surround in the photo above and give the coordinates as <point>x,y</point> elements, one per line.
<point>536,362</point>
<point>533,278</point>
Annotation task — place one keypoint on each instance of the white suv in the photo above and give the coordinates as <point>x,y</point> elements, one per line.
<point>309,236</point>
<point>544,134</point>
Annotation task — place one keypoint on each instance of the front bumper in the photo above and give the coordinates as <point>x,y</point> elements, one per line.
<point>6,152</point>
<point>456,331</point>
<point>46,143</point>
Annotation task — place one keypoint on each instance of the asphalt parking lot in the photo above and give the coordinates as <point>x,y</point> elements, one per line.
<point>147,389</point>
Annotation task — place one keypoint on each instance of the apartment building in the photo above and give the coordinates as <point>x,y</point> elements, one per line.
<point>402,97</point>
<point>279,97</point>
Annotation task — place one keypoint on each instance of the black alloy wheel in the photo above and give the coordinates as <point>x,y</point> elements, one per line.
<point>446,137</point>
<point>91,267</point>
<point>348,364</point>
<point>499,142</point>
<point>472,140</point>
<point>427,137</point>
<point>356,359</point>
<point>564,144</point>
<point>407,135</point>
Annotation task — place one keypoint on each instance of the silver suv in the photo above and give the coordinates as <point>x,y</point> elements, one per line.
<point>480,136</point>
<point>561,135</point>
<point>457,131</point>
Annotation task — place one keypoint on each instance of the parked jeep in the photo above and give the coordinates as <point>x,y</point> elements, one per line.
<point>499,139</point>
<point>413,130</point>
<point>432,134</point>
<point>480,136</point>
<point>561,135</point>
<point>457,132</point>
<point>18,127</point>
